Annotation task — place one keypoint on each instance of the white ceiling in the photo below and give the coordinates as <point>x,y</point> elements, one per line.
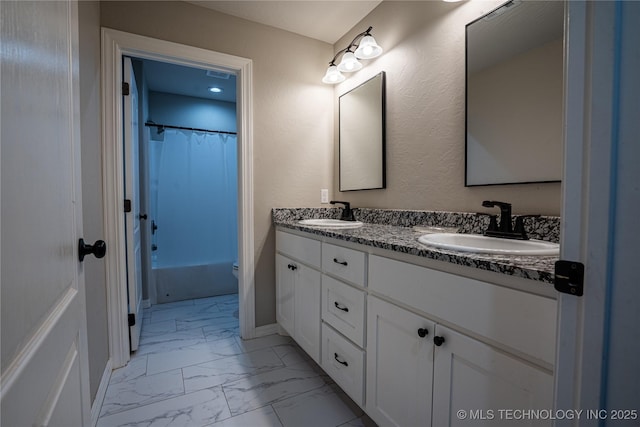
<point>327,21</point>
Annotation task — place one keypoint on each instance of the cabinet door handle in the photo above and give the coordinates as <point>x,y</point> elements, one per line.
<point>340,262</point>
<point>423,332</point>
<point>292,267</point>
<point>438,340</point>
<point>342,362</point>
<point>341,307</point>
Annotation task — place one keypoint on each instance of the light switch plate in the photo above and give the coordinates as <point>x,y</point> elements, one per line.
<point>324,195</point>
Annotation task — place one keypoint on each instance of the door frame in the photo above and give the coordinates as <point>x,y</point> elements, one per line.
<point>597,124</point>
<point>115,45</point>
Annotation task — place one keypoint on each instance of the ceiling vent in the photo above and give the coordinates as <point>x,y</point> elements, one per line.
<point>218,74</point>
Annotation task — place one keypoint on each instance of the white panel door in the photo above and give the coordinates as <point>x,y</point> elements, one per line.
<point>399,366</point>
<point>132,193</point>
<point>44,339</point>
<point>474,378</point>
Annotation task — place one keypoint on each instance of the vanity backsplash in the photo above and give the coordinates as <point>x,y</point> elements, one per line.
<point>541,228</point>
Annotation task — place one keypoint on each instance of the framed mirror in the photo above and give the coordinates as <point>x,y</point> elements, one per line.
<point>514,89</point>
<point>362,136</point>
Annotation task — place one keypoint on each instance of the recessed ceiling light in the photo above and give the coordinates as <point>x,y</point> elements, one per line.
<point>215,89</point>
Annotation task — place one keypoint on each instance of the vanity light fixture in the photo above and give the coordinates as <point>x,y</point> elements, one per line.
<point>365,48</point>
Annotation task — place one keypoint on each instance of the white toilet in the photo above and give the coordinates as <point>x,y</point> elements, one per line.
<point>235,269</point>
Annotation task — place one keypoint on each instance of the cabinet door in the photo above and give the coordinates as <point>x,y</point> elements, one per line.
<point>285,287</point>
<point>473,377</point>
<point>307,310</point>
<point>399,366</point>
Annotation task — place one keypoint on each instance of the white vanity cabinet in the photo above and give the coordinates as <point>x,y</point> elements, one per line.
<point>421,372</point>
<point>470,375</point>
<point>413,382</point>
<point>370,322</point>
<point>343,317</point>
<point>399,365</point>
<point>298,286</point>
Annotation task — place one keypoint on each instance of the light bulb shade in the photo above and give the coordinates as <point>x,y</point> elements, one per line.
<point>368,48</point>
<point>333,76</point>
<point>349,63</point>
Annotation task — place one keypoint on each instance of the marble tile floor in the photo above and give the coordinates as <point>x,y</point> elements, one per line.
<point>192,369</point>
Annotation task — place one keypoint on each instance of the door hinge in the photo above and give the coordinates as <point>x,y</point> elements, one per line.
<point>125,88</point>
<point>569,277</point>
<point>132,319</point>
<point>127,205</point>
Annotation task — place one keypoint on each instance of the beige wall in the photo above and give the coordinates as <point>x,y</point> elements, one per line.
<point>424,61</point>
<point>294,155</point>
<point>92,210</point>
<point>293,120</point>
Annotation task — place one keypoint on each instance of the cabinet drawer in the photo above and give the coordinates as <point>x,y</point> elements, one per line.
<point>343,308</point>
<point>300,248</point>
<point>344,362</point>
<point>345,263</point>
<point>522,321</point>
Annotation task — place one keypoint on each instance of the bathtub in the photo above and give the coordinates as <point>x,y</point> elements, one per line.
<point>194,281</point>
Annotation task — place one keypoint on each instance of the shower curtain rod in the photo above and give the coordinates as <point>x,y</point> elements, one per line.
<point>162,127</point>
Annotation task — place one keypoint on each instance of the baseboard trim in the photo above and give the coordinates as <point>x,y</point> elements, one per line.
<point>263,331</point>
<point>102,390</point>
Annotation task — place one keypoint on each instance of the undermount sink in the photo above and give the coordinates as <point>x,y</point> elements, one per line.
<point>489,245</point>
<point>330,223</point>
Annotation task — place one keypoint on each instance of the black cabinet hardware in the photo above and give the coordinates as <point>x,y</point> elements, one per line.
<point>292,267</point>
<point>423,332</point>
<point>341,307</point>
<point>340,262</point>
<point>342,362</point>
<point>438,340</point>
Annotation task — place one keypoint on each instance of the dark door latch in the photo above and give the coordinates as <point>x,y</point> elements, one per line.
<point>569,277</point>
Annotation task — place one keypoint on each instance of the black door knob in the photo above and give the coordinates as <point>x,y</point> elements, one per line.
<point>142,216</point>
<point>438,340</point>
<point>98,249</point>
<point>423,332</point>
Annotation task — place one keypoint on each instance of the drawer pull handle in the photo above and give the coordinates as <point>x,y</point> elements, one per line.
<point>342,362</point>
<point>438,340</point>
<point>423,332</point>
<point>340,262</point>
<point>292,267</point>
<point>341,307</point>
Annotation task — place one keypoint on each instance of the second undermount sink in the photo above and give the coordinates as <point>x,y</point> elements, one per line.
<point>489,245</point>
<point>330,223</point>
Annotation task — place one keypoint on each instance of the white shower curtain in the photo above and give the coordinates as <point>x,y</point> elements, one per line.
<point>194,178</point>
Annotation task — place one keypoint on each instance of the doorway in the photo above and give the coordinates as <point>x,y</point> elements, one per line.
<point>188,176</point>
<point>115,46</point>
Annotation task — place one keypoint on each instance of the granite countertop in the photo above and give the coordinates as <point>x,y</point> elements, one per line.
<point>405,240</point>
